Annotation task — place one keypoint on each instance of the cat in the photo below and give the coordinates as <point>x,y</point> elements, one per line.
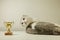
<point>37,27</point>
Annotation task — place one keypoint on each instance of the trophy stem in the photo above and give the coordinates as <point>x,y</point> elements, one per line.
<point>8,30</point>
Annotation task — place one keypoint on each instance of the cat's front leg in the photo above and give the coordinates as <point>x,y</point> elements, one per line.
<point>31,31</point>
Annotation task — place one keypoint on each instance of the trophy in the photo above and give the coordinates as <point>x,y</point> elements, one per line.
<point>8,27</point>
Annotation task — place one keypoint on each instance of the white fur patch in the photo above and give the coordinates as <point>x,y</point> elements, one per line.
<point>33,25</point>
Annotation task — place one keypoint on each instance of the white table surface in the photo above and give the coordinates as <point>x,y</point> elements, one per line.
<point>22,35</point>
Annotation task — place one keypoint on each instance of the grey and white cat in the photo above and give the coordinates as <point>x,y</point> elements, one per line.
<point>37,27</point>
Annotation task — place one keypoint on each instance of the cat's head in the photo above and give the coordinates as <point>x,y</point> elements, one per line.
<point>25,20</point>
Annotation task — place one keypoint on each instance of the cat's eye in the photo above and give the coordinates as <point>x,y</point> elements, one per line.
<point>21,23</point>
<point>23,18</point>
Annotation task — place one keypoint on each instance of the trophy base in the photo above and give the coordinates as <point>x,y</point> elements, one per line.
<point>8,33</point>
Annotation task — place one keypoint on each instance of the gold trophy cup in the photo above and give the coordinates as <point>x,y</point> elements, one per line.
<point>8,27</point>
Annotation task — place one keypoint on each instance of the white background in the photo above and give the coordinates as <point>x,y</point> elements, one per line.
<point>12,10</point>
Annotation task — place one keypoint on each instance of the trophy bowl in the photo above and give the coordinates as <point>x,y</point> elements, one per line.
<point>8,27</point>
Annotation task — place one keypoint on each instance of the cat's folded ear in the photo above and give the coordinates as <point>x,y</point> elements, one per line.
<point>25,15</point>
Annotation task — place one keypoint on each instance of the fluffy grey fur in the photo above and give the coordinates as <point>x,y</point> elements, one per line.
<point>44,28</point>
